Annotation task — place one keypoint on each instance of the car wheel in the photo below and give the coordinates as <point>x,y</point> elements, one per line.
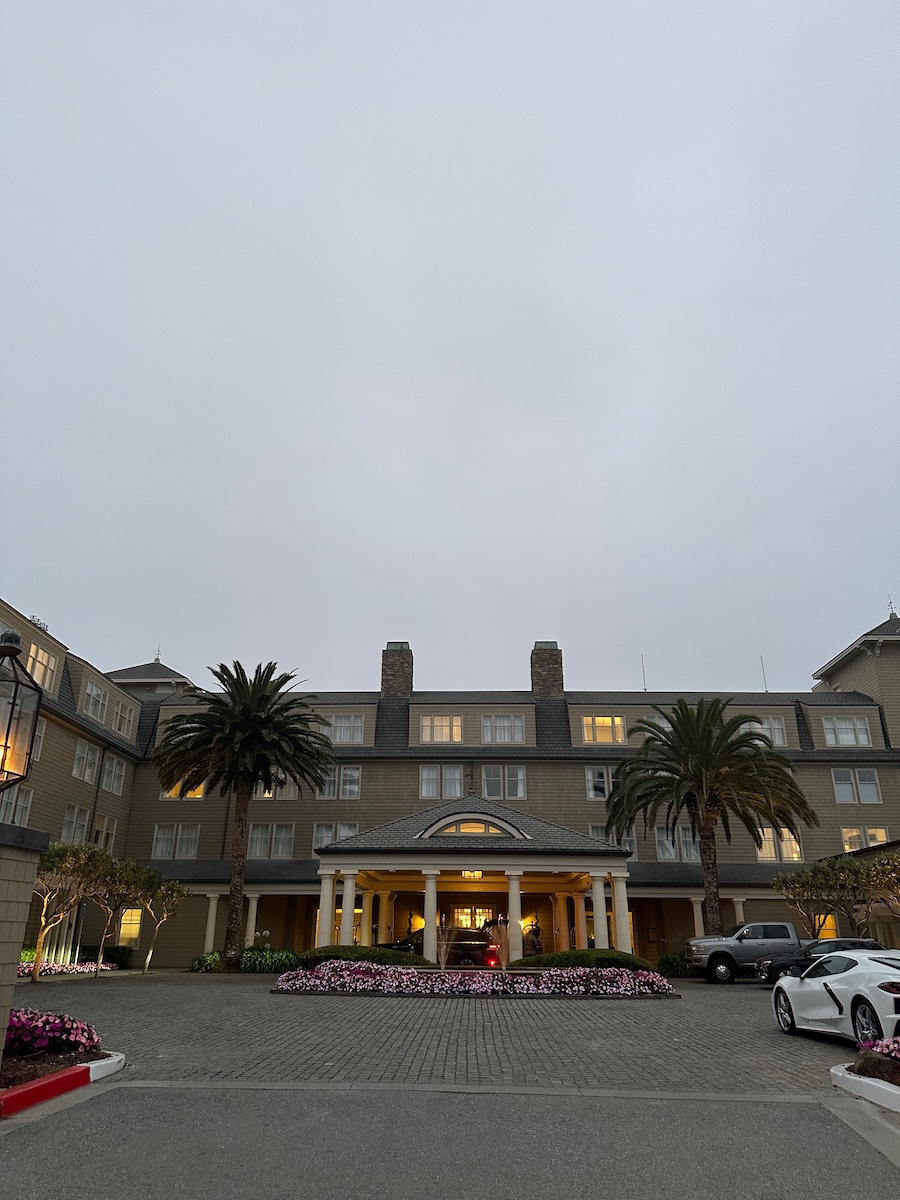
<point>866,1025</point>
<point>782,971</point>
<point>466,961</point>
<point>784,1014</point>
<point>721,970</point>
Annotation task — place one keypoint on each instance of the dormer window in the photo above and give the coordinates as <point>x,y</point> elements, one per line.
<point>475,828</point>
<point>441,729</point>
<point>600,730</point>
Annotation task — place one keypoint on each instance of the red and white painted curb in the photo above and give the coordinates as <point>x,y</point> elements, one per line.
<point>25,1095</point>
<point>876,1090</point>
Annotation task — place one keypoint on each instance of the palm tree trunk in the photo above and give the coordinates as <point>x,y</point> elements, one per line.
<point>709,862</point>
<point>233,940</point>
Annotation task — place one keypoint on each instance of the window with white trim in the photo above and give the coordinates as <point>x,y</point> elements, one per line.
<point>441,729</point>
<point>38,745</point>
<point>326,832</point>
<point>502,728</point>
<point>597,782</point>
<point>287,791</point>
<point>130,927</point>
<point>780,847</point>
<point>686,848</point>
<point>340,783</point>
<point>855,786</point>
<point>628,840</point>
<point>41,666</point>
<point>602,730</point>
<point>105,833</point>
<point>346,729</point>
<point>772,727</point>
<point>87,758</point>
<point>15,805</point>
<point>113,776</point>
<point>857,837</point>
<point>662,723</point>
<point>846,731</point>
<point>440,782</point>
<point>75,824</point>
<point>96,701</point>
<point>174,793</point>
<point>123,719</point>
<point>175,841</point>
<point>270,840</point>
<point>503,783</point>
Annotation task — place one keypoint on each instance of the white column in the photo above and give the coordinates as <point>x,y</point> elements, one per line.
<point>365,925</point>
<point>385,920</point>
<point>580,922</point>
<point>562,920</point>
<point>348,904</point>
<point>429,939</point>
<point>598,894</point>
<point>620,910</point>
<point>516,949</point>
<point>697,902</point>
<point>738,902</point>
<point>326,908</point>
<point>252,902</point>
<point>209,939</point>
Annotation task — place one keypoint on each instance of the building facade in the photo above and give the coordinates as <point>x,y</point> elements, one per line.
<point>545,755</point>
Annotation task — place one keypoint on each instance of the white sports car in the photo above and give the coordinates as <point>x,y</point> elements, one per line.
<point>854,994</point>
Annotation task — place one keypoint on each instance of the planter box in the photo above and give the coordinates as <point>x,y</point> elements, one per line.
<point>876,1090</point>
<point>25,1095</point>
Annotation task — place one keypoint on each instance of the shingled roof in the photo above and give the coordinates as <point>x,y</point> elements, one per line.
<point>540,837</point>
<point>153,672</point>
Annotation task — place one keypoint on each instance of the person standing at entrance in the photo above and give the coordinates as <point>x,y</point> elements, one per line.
<point>531,943</point>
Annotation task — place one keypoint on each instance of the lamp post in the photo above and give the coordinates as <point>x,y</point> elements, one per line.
<point>20,704</point>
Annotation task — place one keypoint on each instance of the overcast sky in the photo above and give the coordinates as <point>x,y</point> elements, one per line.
<point>464,323</point>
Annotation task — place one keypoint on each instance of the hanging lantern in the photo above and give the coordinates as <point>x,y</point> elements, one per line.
<point>20,702</point>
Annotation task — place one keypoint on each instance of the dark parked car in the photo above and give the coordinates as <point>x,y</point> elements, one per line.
<point>465,947</point>
<point>770,969</point>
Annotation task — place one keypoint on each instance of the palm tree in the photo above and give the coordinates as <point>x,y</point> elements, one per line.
<point>254,732</point>
<point>697,763</point>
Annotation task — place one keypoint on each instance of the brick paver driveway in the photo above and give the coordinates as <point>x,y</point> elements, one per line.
<point>231,1028</point>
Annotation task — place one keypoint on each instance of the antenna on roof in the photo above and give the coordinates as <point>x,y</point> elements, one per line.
<point>763,665</point>
<point>643,673</point>
<point>158,652</point>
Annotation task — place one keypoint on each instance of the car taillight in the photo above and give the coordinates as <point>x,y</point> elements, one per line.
<point>893,988</point>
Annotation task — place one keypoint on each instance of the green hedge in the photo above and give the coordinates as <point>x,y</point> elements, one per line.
<point>119,956</point>
<point>675,966</point>
<point>208,962</point>
<point>261,961</point>
<point>585,958</point>
<point>27,955</point>
<point>381,955</point>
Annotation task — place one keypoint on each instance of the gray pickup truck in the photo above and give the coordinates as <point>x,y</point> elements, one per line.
<point>722,959</point>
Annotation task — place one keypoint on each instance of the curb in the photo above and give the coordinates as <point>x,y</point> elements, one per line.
<point>25,1095</point>
<point>876,1090</point>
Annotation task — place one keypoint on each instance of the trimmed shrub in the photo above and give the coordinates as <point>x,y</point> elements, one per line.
<point>208,962</point>
<point>261,961</point>
<point>585,958</point>
<point>32,1032</point>
<point>27,954</point>
<point>119,956</point>
<point>381,955</point>
<point>676,966</point>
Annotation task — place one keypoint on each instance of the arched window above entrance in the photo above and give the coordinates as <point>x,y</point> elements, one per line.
<point>472,824</point>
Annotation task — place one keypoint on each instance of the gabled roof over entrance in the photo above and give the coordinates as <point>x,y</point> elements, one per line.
<point>420,834</point>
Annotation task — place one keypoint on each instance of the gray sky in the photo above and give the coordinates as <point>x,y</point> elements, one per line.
<point>463,323</point>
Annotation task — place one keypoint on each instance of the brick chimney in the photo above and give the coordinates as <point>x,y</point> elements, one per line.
<point>397,669</point>
<point>547,670</point>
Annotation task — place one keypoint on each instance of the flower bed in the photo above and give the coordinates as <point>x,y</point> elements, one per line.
<point>23,970</point>
<point>879,1060</point>
<point>370,979</point>
<point>42,1043</point>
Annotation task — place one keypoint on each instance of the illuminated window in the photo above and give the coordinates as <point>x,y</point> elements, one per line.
<point>87,757</point>
<point>783,847</point>
<point>95,701</point>
<point>105,833</point>
<point>287,791</point>
<point>346,729</point>
<point>175,841</point>
<point>130,927</point>
<point>772,727</point>
<point>504,783</point>
<point>174,793</point>
<point>597,781</point>
<point>75,823</point>
<point>15,805</point>
<point>846,731</point>
<point>829,928</point>
<point>123,719</point>
<point>472,874</point>
<point>603,729</point>
<point>472,918</point>
<point>436,782</point>
<point>858,786</point>
<point>42,666</point>
<point>441,729</point>
<point>503,729</point>
<point>270,840</point>
<point>857,837</point>
<point>469,828</point>
<point>113,777</point>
